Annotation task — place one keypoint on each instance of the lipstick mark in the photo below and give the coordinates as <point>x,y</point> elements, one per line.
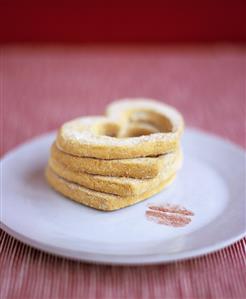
<point>170,215</point>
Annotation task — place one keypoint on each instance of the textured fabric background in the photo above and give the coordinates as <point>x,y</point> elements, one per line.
<point>41,87</point>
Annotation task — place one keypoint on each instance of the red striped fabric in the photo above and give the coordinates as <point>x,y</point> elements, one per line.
<point>41,87</point>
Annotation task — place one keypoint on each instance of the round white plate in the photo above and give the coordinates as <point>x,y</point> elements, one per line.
<point>211,184</point>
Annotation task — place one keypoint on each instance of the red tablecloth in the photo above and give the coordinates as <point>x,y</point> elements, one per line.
<point>41,87</point>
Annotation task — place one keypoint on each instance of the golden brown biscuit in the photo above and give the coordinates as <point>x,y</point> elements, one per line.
<point>107,137</point>
<point>115,185</point>
<point>140,168</point>
<point>99,200</point>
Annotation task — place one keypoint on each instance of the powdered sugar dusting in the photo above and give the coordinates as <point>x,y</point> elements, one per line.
<point>116,108</point>
<point>82,130</point>
<point>87,137</point>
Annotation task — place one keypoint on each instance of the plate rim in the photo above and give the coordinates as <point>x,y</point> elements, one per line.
<point>123,259</point>
<point>106,259</point>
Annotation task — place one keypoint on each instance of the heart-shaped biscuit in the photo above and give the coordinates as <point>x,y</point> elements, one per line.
<point>117,185</point>
<point>122,133</point>
<point>100,200</point>
<point>138,168</point>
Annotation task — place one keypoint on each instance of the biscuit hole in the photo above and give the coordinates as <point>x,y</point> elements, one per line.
<point>152,118</point>
<point>108,129</point>
<point>135,124</point>
<point>144,122</point>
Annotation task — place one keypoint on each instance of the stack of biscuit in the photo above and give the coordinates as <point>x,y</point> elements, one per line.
<point>113,161</point>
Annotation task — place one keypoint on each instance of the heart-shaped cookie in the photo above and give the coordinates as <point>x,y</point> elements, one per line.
<point>131,129</point>
<point>99,200</point>
<point>117,185</point>
<point>138,168</point>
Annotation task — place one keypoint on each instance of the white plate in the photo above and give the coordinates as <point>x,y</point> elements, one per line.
<point>211,184</point>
